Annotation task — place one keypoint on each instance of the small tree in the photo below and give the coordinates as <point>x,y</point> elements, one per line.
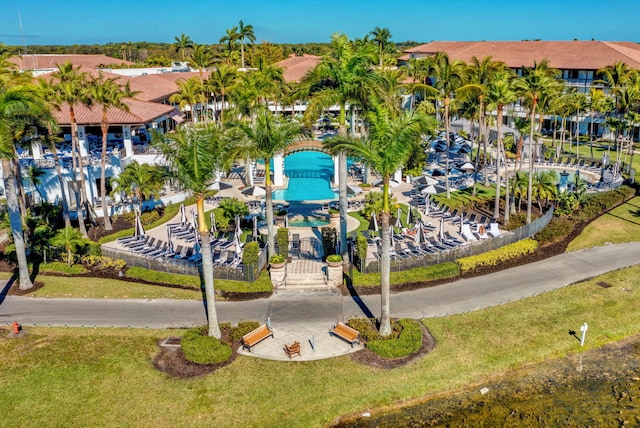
<point>329,240</point>
<point>283,241</point>
<point>250,259</point>
<point>70,239</point>
<point>361,251</point>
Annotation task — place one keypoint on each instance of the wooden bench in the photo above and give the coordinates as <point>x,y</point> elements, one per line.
<point>345,332</point>
<point>291,350</point>
<point>252,338</point>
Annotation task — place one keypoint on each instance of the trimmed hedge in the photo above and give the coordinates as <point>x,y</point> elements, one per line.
<point>494,257</point>
<point>596,204</point>
<point>556,230</point>
<point>427,273</point>
<point>202,349</point>
<point>408,341</point>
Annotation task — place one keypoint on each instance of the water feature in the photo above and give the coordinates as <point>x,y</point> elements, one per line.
<point>308,221</point>
<point>309,177</point>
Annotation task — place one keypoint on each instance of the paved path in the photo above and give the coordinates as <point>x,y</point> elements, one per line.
<point>307,316</point>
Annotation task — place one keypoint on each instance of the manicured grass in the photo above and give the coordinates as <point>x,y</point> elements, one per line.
<point>621,224</point>
<point>60,286</point>
<point>599,148</point>
<point>463,199</point>
<point>59,267</point>
<point>263,283</point>
<point>104,377</point>
<point>442,270</point>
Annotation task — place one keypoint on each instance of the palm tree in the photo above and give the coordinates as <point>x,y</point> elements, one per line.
<point>34,176</point>
<point>598,103</point>
<point>381,37</point>
<point>71,89</point>
<point>195,155</point>
<point>201,58</point>
<point>70,239</point>
<point>230,39</point>
<point>221,80</point>
<point>140,182</point>
<point>245,32</point>
<point>532,86</point>
<point>190,94</point>
<point>17,102</point>
<point>344,76</point>
<point>108,94</point>
<point>449,78</point>
<point>544,187</point>
<point>267,136</point>
<point>386,148</point>
<point>501,93</point>
<point>182,43</point>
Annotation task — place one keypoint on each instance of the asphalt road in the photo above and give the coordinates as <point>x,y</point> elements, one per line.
<point>456,297</point>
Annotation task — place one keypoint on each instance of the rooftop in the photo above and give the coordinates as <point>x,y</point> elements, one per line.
<point>46,61</point>
<point>296,67</point>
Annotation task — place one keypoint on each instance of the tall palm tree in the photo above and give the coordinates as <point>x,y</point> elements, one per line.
<point>34,176</point>
<point>449,78</point>
<point>598,103</point>
<point>382,38</point>
<point>221,80</point>
<point>343,77</point>
<point>195,154</point>
<point>71,88</point>
<point>183,42</point>
<point>386,148</point>
<point>47,92</point>
<point>544,187</point>
<point>532,86</point>
<point>501,93</point>
<point>17,102</point>
<point>108,94</point>
<point>201,58</point>
<point>245,32</point>
<point>190,94</point>
<point>230,39</point>
<point>267,136</point>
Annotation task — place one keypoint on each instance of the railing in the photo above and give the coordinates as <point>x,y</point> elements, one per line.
<point>465,250</point>
<point>185,267</point>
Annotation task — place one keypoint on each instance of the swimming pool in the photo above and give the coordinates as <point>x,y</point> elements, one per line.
<point>309,177</point>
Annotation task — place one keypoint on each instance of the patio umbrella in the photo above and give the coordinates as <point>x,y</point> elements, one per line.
<point>398,223</point>
<point>351,190</point>
<point>139,231</point>
<point>286,221</point>
<point>432,189</point>
<point>255,191</point>
<point>212,217</point>
<point>171,248</point>
<point>373,223</point>
<point>221,185</point>
<point>420,238</point>
<point>255,226</point>
<point>461,221</point>
<point>194,221</point>
<point>467,167</point>
<point>442,228</point>
<point>437,173</point>
<point>424,179</point>
<point>393,242</point>
<point>392,183</point>
<point>169,234</point>
<point>236,242</point>
<point>238,231</point>
<point>464,148</point>
<point>183,214</point>
<point>409,216</point>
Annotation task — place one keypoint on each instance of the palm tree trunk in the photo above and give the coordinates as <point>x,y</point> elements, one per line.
<point>342,178</point>
<point>446,127</point>
<point>385,264</point>
<point>496,208</point>
<point>269,208</point>
<point>207,272</point>
<point>577,136</point>
<point>103,174</point>
<point>530,182</point>
<point>77,166</point>
<point>63,196</point>
<point>15,221</point>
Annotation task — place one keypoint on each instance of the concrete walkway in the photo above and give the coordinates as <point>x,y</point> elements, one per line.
<point>304,316</point>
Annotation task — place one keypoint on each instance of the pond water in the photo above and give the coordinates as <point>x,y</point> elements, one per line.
<point>600,387</point>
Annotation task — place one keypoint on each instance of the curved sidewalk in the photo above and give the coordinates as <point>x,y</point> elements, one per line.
<point>305,316</point>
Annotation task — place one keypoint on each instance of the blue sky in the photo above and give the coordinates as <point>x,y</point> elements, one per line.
<point>286,21</point>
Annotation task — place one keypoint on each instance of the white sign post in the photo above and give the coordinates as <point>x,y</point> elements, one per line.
<point>583,329</point>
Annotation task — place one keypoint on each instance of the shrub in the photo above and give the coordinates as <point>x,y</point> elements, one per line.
<point>329,239</point>
<point>277,258</point>
<point>367,328</point>
<point>361,251</point>
<point>202,349</point>
<point>556,230</point>
<point>243,328</point>
<point>60,267</point>
<point>494,257</point>
<point>334,258</point>
<point>232,207</point>
<point>408,341</point>
<point>93,249</point>
<point>149,217</point>
<point>250,256</point>
<point>103,263</point>
<point>282,237</point>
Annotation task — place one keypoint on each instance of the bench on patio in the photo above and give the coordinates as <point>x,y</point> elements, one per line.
<point>345,332</point>
<point>253,338</point>
<point>292,350</point>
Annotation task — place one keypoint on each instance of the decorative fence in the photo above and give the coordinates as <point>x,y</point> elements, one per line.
<point>472,249</point>
<point>186,267</point>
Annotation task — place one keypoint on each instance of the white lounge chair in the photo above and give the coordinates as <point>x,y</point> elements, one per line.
<point>481,231</point>
<point>467,234</point>
<point>493,230</point>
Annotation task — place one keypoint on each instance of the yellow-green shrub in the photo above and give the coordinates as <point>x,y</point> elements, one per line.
<point>103,263</point>
<point>494,257</point>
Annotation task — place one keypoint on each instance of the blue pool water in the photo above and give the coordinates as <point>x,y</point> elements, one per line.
<point>309,177</point>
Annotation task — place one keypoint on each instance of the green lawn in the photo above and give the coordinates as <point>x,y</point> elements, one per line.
<point>621,224</point>
<point>104,377</point>
<point>584,151</point>
<point>464,199</point>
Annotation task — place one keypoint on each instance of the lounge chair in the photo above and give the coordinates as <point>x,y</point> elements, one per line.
<point>493,230</point>
<point>481,231</point>
<point>467,234</point>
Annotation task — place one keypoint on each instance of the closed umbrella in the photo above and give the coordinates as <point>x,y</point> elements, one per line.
<point>236,242</point>
<point>409,216</point>
<point>139,231</point>
<point>393,242</point>
<point>420,238</point>
<point>255,226</point>
<point>212,217</point>
<point>461,221</point>
<point>398,221</point>
<point>183,215</point>
<point>286,221</point>
<point>373,223</point>
<point>238,228</point>
<point>442,228</point>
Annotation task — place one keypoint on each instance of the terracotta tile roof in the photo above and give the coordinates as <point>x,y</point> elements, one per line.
<point>140,112</point>
<point>44,61</point>
<point>296,67</point>
<point>157,87</point>
<point>568,55</point>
